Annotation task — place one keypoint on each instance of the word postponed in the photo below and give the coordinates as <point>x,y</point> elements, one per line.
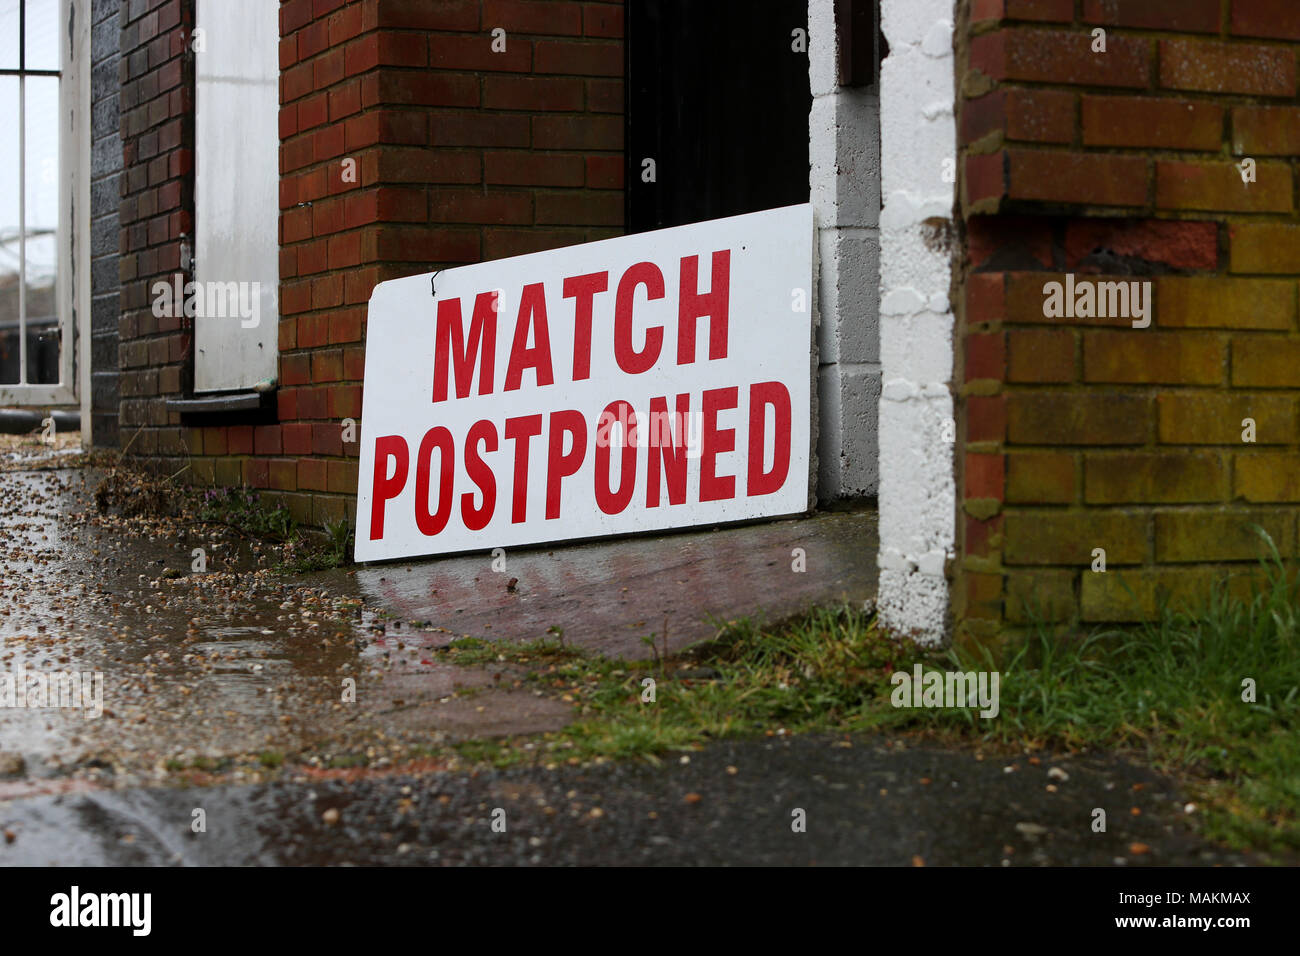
<point>551,396</point>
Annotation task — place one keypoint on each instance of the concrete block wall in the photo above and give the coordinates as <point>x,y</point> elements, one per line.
<point>1088,433</point>
<point>844,157</point>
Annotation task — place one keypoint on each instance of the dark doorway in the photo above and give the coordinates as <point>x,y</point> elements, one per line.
<point>718,98</point>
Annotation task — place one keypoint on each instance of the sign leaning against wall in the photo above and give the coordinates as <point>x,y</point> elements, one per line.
<point>654,381</point>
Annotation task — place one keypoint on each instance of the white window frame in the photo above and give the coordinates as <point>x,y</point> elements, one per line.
<point>72,294</point>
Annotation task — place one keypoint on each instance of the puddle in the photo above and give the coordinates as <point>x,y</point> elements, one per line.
<point>233,664</point>
<point>239,668</point>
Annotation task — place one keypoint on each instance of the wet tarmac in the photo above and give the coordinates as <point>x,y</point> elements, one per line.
<point>864,802</point>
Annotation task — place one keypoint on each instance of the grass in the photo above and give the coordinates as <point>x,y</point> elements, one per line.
<point>243,510</point>
<point>826,671</point>
<point>304,551</point>
<point>1168,693</point>
<point>1171,691</point>
<point>321,552</point>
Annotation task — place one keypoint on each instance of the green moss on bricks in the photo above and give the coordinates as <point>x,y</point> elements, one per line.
<point>982,508</point>
<point>1070,538</point>
<point>1200,536</point>
<point>1046,596</point>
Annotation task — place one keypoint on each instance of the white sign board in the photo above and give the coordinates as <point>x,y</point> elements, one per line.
<point>646,382</point>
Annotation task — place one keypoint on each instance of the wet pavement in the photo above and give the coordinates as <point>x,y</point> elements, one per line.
<point>237,663</point>
<point>307,716</point>
<point>864,802</point>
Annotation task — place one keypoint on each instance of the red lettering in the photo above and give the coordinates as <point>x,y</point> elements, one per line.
<point>532,307</point>
<point>714,441</point>
<point>477,519</point>
<point>559,464</point>
<point>630,360</point>
<point>608,500</point>
<point>482,340</point>
<point>693,305</point>
<point>762,395</point>
<point>584,289</point>
<point>521,432</point>
<point>671,450</point>
<point>383,488</point>
<point>438,438</point>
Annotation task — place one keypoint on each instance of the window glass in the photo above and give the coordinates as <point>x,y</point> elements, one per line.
<point>8,34</point>
<point>41,228</point>
<point>10,229</point>
<point>30,202</point>
<point>42,47</point>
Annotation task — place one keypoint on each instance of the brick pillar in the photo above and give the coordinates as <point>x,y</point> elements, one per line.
<point>155,212</point>
<point>1085,433</point>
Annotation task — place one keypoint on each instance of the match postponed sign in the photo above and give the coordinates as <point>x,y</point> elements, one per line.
<point>646,382</point>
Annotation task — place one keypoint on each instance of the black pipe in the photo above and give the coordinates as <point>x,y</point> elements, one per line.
<point>20,421</point>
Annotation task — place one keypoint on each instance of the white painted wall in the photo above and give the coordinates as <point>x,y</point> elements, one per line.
<point>917,493</point>
<point>844,152</point>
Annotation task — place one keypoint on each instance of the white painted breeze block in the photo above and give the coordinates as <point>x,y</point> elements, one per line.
<point>917,493</point>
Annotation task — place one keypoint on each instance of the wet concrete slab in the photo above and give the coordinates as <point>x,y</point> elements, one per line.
<point>606,596</point>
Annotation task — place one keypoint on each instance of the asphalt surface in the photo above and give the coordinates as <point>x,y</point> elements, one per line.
<point>864,802</point>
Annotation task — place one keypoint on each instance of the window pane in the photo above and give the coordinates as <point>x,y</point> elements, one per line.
<point>8,34</point>
<point>236,196</point>
<point>42,224</point>
<point>9,231</point>
<point>42,145</point>
<point>42,311</point>
<point>42,50</point>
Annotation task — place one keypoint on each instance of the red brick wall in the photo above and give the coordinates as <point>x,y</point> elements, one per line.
<point>157,102</point>
<point>1089,433</point>
<point>461,154</point>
